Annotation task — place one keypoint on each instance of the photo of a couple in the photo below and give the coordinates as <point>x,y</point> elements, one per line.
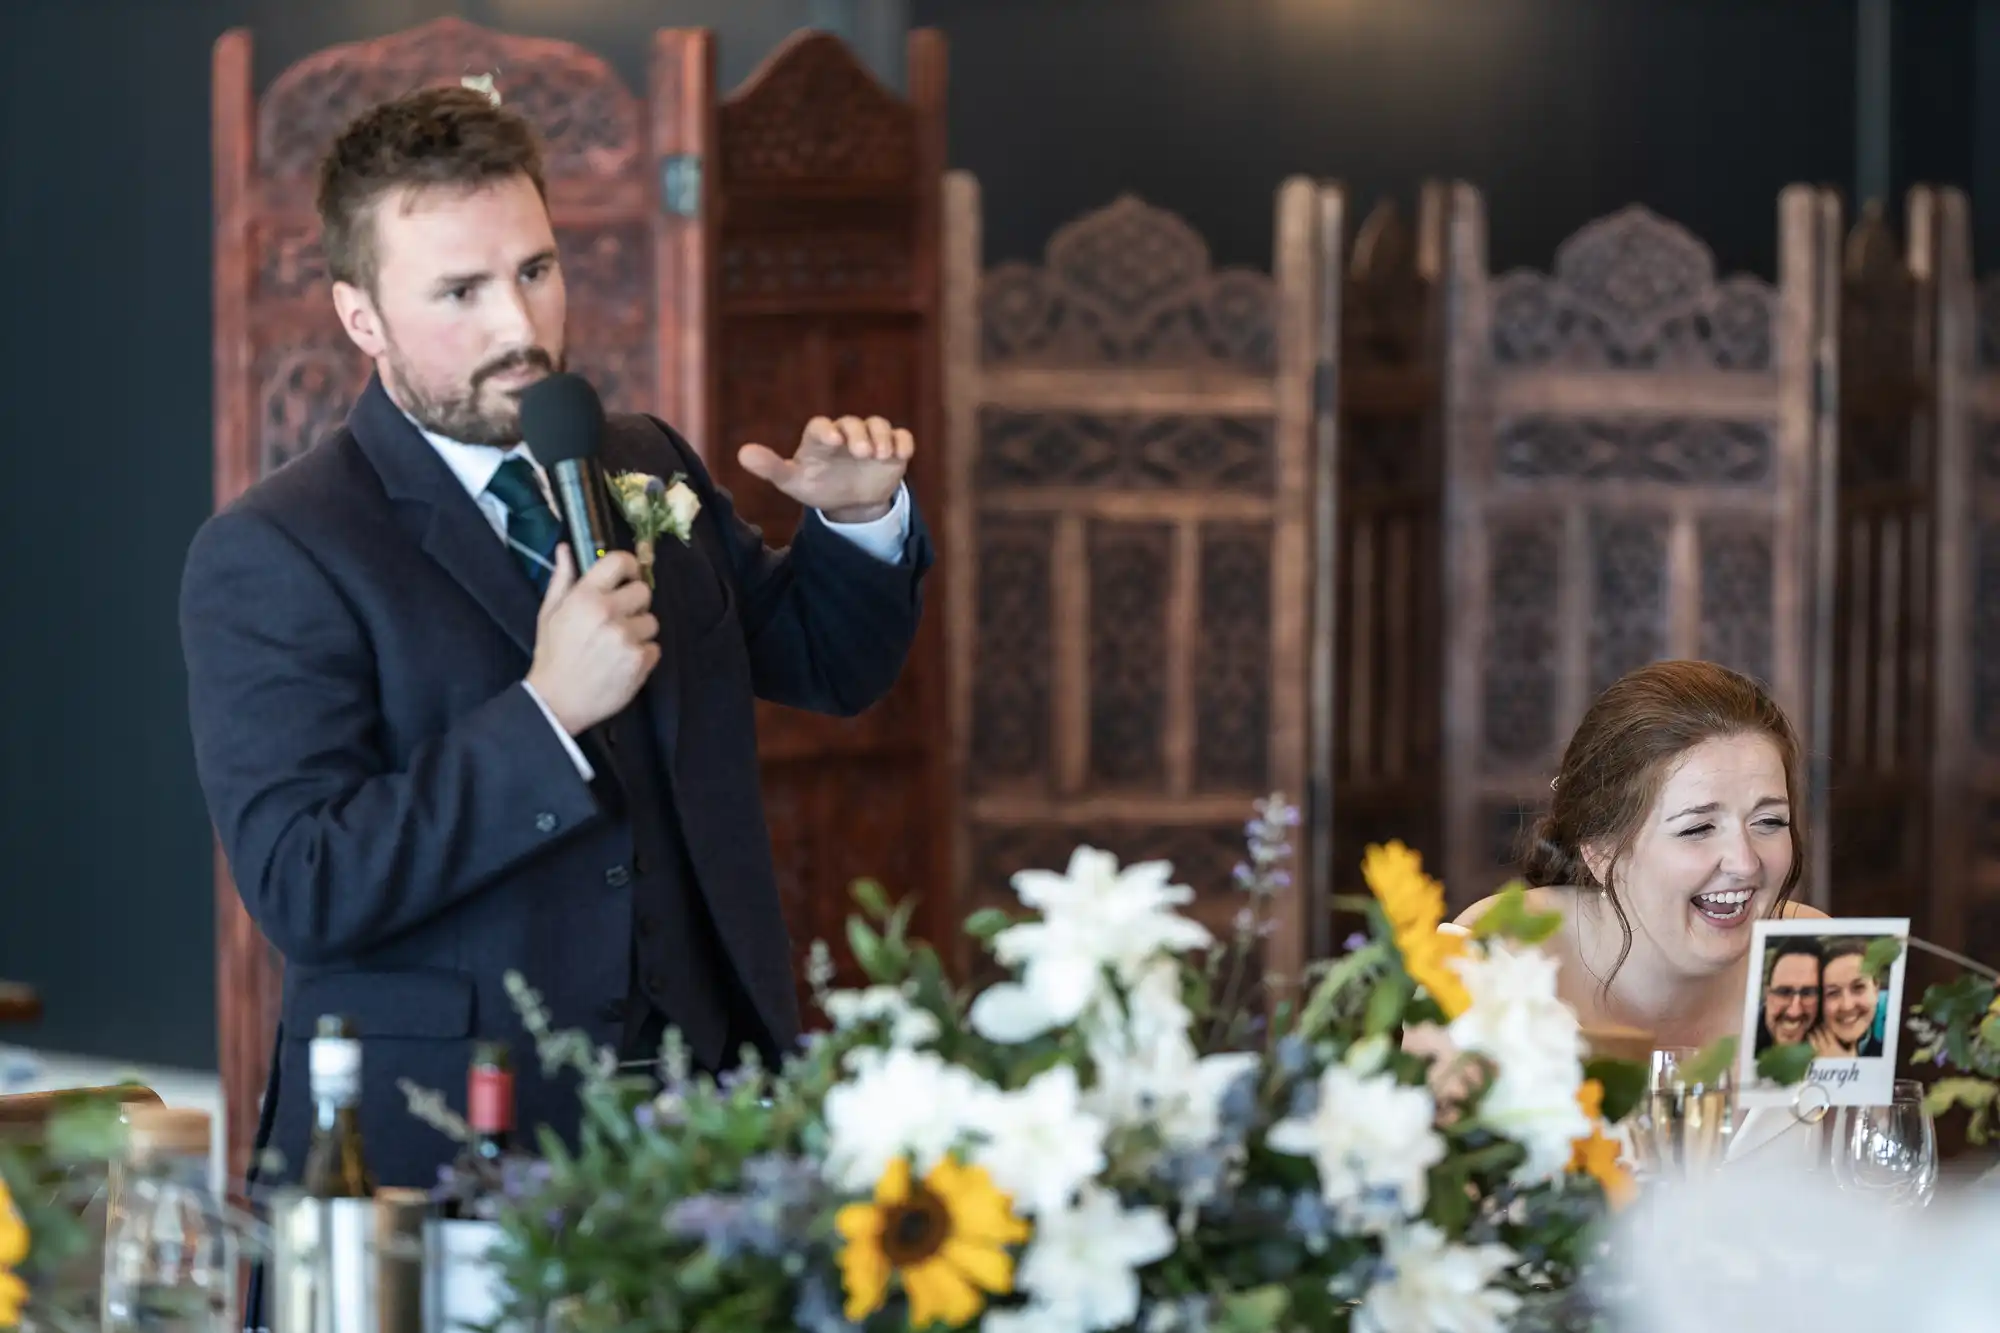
<point>1817,990</point>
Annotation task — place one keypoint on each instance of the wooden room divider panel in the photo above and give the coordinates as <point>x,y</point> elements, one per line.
<point>1131,435</point>
<point>822,202</point>
<point>285,374</point>
<point>1634,453</point>
<point>1901,667</point>
<point>1384,744</point>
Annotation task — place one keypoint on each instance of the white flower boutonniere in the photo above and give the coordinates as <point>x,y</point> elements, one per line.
<point>482,83</point>
<point>656,509</point>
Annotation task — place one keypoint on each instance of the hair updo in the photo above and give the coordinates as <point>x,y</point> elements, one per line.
<point>1620,756</point>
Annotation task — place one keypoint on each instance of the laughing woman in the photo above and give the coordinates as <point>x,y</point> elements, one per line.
<point>1677,820</point>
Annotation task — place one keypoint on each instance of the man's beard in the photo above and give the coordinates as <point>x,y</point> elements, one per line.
<point>457,414</point>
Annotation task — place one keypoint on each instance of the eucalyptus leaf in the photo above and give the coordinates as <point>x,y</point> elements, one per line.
<point>986,923</point>
<point>1386,1004</point>
<point>1623,1081</point>
<point>1709,1063</point>
<point>1881,953</point>
<point>870,895</point>
<point>1510,918</point>
<point>1785,1065</point>
<point>867,947</point>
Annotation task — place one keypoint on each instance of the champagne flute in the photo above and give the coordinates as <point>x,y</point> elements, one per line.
<point>1889,1152</point>
<point>1683,1127</point>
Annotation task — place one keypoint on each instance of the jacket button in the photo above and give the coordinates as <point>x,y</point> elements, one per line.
<point>618,877</point>
<point>646,924</point>
<point>546,822</point>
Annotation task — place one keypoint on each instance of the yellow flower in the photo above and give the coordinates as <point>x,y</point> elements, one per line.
<point>1596,1155</point>
<point>1414,904</point>
<point>13,1249</point>
<point>946,1238</point>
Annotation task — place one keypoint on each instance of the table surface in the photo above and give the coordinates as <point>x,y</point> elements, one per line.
<point>18,1003</point>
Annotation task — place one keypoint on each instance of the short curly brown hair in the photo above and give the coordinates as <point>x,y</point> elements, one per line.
<point>454,137</point>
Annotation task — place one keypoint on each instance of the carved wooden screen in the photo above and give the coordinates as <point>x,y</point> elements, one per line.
<point>1385,739</point>
<point>1630,472</point>
<point>1895,831</point>
<point>285,375</point>
<point>825,279</point>
<point>1130,447</point>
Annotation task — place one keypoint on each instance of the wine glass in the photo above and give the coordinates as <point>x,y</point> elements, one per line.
<point>1682,1127</point>
<point>1890,1151</point>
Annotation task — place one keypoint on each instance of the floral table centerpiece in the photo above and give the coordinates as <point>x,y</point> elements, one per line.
<point>1121,1135</point>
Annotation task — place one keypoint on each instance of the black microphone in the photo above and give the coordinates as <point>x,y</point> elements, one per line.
<point>562,420</point>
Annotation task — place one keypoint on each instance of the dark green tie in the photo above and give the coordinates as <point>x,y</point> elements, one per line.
<point>531,525</point>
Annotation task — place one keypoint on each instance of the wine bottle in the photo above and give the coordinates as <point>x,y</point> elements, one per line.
<point>489,1115</point>
<point>336,1164</point>
<point>489,1101</point>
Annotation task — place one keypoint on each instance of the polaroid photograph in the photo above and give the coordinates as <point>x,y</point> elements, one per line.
<point>1810,983</point>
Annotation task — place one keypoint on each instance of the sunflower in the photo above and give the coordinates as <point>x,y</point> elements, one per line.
<point>13,1249</point>
<point>1596,1155</point>
<point>1414,904</point>
<point>946,1238</point>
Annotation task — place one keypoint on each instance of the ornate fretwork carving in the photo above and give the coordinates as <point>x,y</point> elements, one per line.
<point>1737,597</point>
<point>619,364</point>
<point>1232,682</point>
<point>1128,284</point>
<point>1385,312</point>
<point>1011,662</point>
<point>304,393</point>
<point>290,264</point>
<point>1679,451</point>
<point>1204,856</point>
<point>814,265</point>
<point>813,112</point>
<point>1523,566</point>
<point>608,272</point>
<point>588,122</point>
<point>1628,624</point>
<point>1129,567</point>
<point>1198,453</point>
<point>1633,291</point>
<point>1878,317</point>
<point>1507,824</point>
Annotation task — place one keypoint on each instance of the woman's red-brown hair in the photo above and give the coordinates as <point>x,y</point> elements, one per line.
<point>1620,756</point>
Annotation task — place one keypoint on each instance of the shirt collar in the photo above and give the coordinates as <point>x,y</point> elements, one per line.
<point>474,464</point>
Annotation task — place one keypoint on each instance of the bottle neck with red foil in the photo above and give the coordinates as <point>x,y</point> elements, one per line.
<point>490,1108</point>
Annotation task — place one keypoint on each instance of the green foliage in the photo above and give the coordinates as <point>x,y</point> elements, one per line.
<point>1508,917</point>
<point>1881,954</point>
<point>1785,1065</point>
<point>1710,1063</point>
<point>51,1178</point>
<point>1624,1083</point>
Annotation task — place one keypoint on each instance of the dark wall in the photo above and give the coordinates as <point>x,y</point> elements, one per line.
<point>1559,109</point>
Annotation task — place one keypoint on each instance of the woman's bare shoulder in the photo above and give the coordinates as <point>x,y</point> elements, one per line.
<point>1803,910</point>
<point>1539,900</point>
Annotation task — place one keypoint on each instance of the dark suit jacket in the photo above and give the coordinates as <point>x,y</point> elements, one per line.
<point>400,818</point>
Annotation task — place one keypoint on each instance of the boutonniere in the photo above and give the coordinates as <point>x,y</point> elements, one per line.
<point>656,509</point>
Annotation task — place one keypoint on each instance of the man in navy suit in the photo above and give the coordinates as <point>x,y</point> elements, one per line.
<point>434,754</point>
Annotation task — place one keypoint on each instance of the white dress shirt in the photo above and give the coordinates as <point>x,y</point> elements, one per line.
<point>475,464</point>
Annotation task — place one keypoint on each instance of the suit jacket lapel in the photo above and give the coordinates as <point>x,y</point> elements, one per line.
<point>457,535</point>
